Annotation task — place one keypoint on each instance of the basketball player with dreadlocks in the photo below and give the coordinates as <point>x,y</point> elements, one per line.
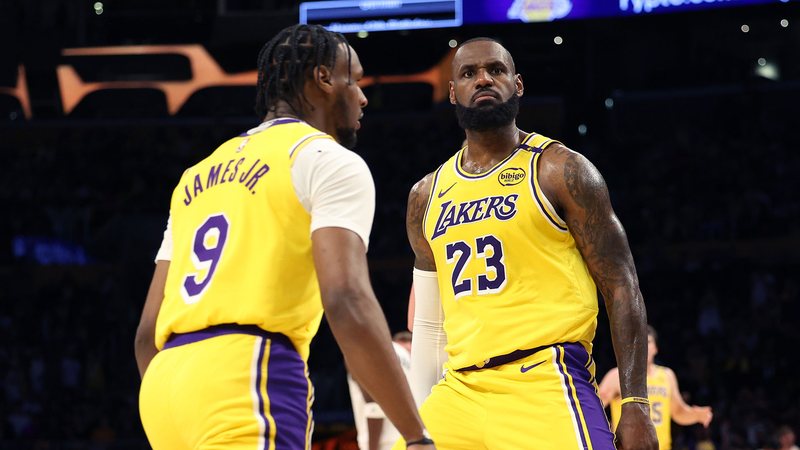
<point>264,233</point>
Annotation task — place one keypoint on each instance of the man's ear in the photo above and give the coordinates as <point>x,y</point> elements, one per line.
<point>323,78</point>
<point>452,94</point>
<point>520,86</point>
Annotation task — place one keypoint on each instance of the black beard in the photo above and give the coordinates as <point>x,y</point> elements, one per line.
<point>482,118</point>
<point>347,137</point>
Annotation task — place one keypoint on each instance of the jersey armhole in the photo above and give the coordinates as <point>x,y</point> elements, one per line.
<point>303,143</point>
<point>542,202</point>
<point>434,183</point>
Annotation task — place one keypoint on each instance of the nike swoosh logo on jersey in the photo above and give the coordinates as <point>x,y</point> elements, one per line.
<point>524,369</point>
<point>442,193</point>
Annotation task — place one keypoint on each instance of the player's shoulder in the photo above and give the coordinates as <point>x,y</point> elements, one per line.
<point>422,188</point>
<point>562,169</point>
<point>297,136</point>
<point>558,148</point>
<point>323,143</point>
<point>326,151</point>
<point>667,371</point>
<point>557,155</point>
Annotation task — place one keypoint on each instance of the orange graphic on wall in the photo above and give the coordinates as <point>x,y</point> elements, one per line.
<point>20,91</point>
<point>205,72</point>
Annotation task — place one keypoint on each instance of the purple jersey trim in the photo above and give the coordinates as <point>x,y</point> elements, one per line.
<point>289,397</point>
<point>599,432</point>
<point>430,200</point>
<point>573,406</point>
<point>178,339</point>
<point>303,142</point>
<point>495,361</point>
<point>471,176</point>
<point>274,122</point>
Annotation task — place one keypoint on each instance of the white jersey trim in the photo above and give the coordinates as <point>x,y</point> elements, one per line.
<point>538,194</point>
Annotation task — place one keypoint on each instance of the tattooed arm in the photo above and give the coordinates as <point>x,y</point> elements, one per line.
<point>580,194</point>
<point>417,204</point>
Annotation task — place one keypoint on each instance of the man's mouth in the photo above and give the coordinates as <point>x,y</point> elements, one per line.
<point>484,96</point>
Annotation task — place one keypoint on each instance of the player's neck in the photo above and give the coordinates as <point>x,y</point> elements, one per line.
<point>285,111</point>
<point>486,148</point>
<point>316,117</point>
<point>320,118</point>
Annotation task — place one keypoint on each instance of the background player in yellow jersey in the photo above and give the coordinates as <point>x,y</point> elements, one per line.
<point>510,236</point>
<point>666,402</point>
<point>263,233</point>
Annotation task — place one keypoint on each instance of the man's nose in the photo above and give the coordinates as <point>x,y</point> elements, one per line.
<point>483,78</point>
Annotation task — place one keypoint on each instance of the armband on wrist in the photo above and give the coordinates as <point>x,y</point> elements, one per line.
<point>423,441</point>
<point>642,400</point>
<point>426,440</point>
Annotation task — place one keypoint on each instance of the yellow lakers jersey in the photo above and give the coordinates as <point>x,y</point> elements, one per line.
<point>242,246</point>
<point>510,275</point>
<point>658,392</point>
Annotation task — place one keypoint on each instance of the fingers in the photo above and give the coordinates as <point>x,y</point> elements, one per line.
<point>705,415</point>
<point>708,419</point>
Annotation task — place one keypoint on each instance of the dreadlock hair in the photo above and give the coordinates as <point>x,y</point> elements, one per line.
<point>288,60</point>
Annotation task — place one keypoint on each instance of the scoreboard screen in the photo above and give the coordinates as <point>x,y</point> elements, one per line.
<point>506,11</point>
<point>350,16</point>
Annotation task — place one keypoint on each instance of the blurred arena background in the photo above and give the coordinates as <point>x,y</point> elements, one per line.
<point>690,109</point>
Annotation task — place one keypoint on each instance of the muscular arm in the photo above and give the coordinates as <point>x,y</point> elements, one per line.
<point>682,413</point>
<point>417,204</point>
<point>359,326</point>
<point>581,195</point>
<point>144,343</point>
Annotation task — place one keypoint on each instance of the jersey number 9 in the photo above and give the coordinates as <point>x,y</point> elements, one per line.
<point>209,241</point>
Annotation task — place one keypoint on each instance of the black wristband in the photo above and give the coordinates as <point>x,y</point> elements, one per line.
<point>424,441</point>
